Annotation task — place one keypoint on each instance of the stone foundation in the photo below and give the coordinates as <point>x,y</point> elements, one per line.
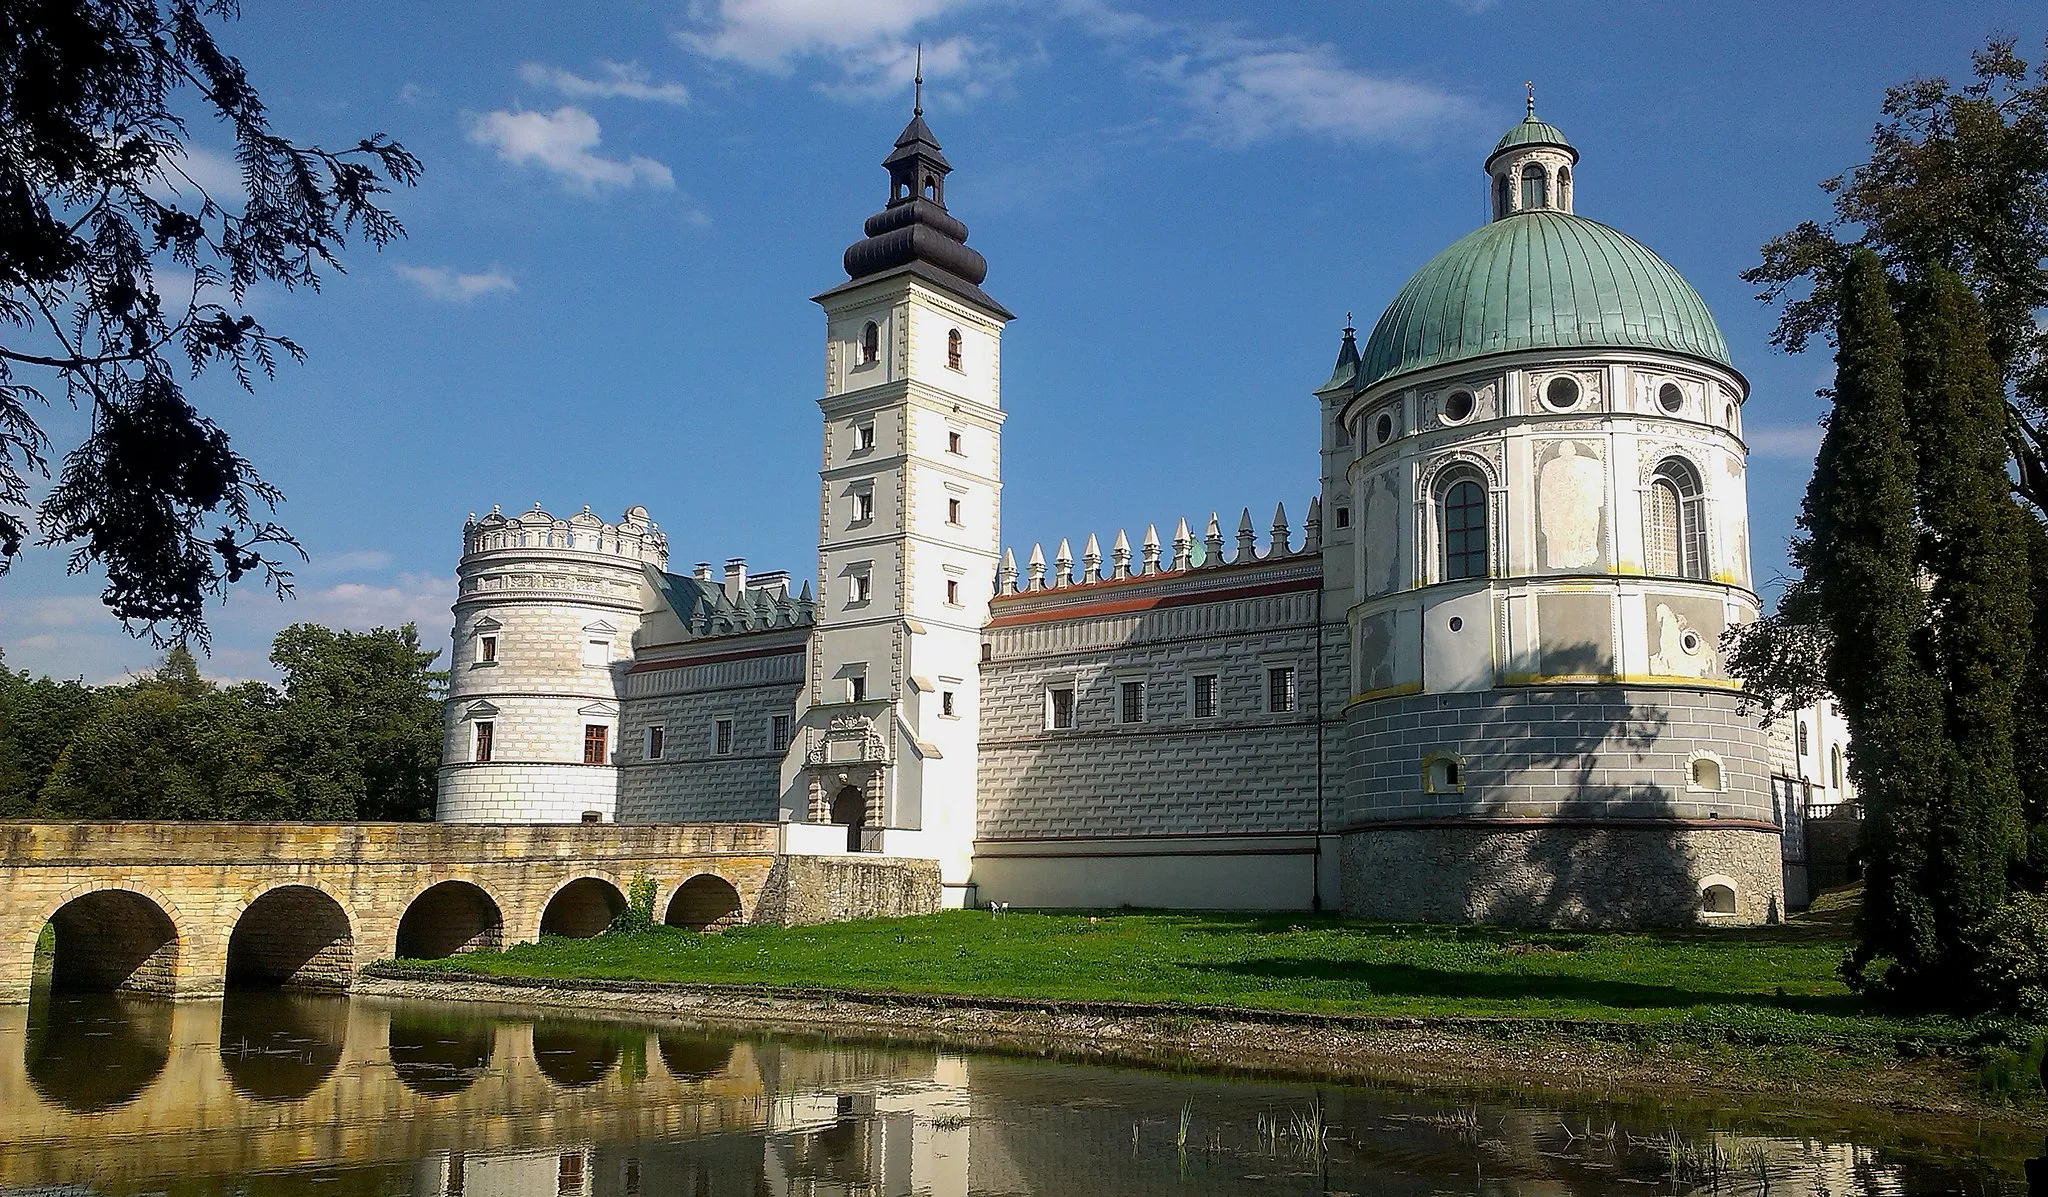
<point>1650,875</point>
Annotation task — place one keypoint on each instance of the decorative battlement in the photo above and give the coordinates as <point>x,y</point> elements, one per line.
<point>1188,553</point>
<point>635,537</point>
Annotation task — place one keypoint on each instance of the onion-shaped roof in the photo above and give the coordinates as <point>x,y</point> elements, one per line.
<point>1540,279</point>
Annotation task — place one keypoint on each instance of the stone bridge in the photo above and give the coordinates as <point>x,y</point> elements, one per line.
<point>185,909</point>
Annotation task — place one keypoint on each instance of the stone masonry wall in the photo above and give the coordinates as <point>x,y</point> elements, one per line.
<point>692,781</point>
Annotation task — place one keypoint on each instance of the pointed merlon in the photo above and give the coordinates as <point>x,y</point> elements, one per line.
<point>1151,550</point>
<point>1247,539</point>
<point>1277,547</point>
<point>1035,569</point>
<point>1006,578</point>
<point>1183,540</point>
<point>1312,527</point>
<point>1212,542</point>
<point>1063,564</point>
<point>1091,561</point>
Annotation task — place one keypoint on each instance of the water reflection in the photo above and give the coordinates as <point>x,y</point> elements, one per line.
<point>293,1095</point>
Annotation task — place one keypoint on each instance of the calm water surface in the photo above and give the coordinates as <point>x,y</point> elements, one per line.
<point>278,1094</point>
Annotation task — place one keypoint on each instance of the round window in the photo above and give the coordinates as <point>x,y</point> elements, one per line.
<point>1670,398</point>
<point>1383,429</point>
<point>1458,407</point>
<point>1690,641</point>
<point>1562,393</point>
<point>1457,624</point>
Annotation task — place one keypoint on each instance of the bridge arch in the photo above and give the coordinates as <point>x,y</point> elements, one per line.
<point>280,1046</point>
<point>577,1055</point>
<point>582,906</point>
<point>706,902</point>
<point>116,936</point>
<point>297,935</point>
<point>450,917</point>
<point>437,1054</point>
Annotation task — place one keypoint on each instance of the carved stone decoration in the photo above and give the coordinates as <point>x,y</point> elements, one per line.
<point>1381,542</point>
<point>1650,456</point>
<point>1571,485</point>
<point>848,738</point>
<point>1678,647</point>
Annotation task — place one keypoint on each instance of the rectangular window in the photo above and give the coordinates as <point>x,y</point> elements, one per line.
<point>953,512</point>
<point>862,588</point>
<point>1280,689</point>
<point>655,735</point>
<point>1343,517</point>
<point>594,737</point>
<point>946,702</point>
<point>863,506</point>
<point>953,443</point>
<point>1133,694</point>
<point>484,731</point>
<point>778,732</point>
<point>953,591</point>
<point>857,688</point>
<point>721,737</point>
<point>863,437</point>
<point>597,652</point>
<point>486,648</point>
<point>1205,696</point>
<point>1059,707</point>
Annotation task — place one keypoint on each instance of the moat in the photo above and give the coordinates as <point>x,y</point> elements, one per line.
<point>278,1093</point>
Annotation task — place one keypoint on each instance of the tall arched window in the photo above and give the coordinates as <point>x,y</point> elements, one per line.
<point>870,344</point>
<point>1835,766</point>
<point>953,348</point>
<point>1464,528</point>
<point>1564,188</point>
<point>1674,524</point>
<point>1533,196</point>
<point>1503,196</point>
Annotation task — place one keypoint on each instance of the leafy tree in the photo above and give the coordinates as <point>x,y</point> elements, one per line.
<point>37,718</point>
<point>98,212</point>
<point>361,721</point>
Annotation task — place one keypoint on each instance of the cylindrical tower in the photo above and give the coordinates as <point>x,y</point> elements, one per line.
<point>544,623</point>
<point>1547,467</point>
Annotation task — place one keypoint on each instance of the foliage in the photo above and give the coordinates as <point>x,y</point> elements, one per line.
<point>638,916</point>
<point>2012,947</point>
<point>355,734</point>
<point>100,211</point>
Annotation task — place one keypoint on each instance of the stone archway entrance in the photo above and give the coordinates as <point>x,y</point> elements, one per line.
<point>850,807</point>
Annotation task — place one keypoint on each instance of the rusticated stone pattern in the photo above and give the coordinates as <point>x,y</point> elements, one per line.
<point>830,889</point>
<point>1592,751</point>
<point>692,780</point>
<point>1573,876</point>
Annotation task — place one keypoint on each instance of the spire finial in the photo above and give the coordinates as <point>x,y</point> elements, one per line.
<point>917,105</point>
<point>1531,85</point>
<point>1348,330</point>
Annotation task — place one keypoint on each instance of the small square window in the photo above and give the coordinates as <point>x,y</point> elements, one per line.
<point>1205,696</point>
<point>487,648</point>
<point>778,732</point>
<point>1343,517</point>
<point>721,737</point>
<point>953,512</point>
<point>485,732</point>
<point>863,506</point>
<point>655,735</point>
<point>946,703</point>
<point>597,652</point>
<point>1280,689</point>
<point>863,437</point>
<point>1059,707</point>
<point>953,443</point>
<point>595,749</point>
<point>862,588</point>
<point>857,688</point>
<point>1133,695</point>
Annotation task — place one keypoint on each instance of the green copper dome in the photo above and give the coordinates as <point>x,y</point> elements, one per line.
<point>1540,279</point>
<point>1533,132</point>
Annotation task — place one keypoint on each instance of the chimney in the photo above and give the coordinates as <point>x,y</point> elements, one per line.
<point>735,579</point>
<point>703,571</point>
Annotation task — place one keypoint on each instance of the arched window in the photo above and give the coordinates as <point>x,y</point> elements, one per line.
<point>1464,528</point>
<point>953,348</point>
<point>1835,766</point>
<point>1674,527</point>
<point>1564,188</point>
<point>1503,196</point>
<point>1533,188</point>
<point>870,344</point>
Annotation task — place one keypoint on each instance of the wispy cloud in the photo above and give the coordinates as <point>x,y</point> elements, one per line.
<point>1795,442</point>
<point>867,43</point>
<point>422,599</point>
<point>196,169</point>
<point>616,80</point>
<point>563,143</point>
<point>1249,90</point>
<point>451,286</point>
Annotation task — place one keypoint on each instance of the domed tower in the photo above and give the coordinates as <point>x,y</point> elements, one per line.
<point>544,623</point>
<point>1546,467</point>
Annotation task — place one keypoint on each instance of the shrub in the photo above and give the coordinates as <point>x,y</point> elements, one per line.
<point>2012,948</point>
<point>638,916</point>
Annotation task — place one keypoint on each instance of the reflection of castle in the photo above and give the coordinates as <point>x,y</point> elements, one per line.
<point>1481,678</point>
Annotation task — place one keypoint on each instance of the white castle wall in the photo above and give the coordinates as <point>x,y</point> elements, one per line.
<point>748,679</point>
<point>543,587</point>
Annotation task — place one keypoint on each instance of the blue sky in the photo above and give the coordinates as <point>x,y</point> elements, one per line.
<point>603,297</point>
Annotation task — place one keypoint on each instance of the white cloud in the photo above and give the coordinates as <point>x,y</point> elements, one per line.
<point>412,93</point>
<point>869,42</point>
<point>198,168</point>
<point>618,80</point>
<point>1795,442</point>
<point>1250,90</point>
<point>562,142</point>
<point>450,286</point>
<point>422,599</point>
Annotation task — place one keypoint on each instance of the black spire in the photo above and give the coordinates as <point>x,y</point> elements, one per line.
<point>914,230</point>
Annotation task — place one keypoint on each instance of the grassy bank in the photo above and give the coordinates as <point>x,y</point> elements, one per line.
<point>1758,986</point>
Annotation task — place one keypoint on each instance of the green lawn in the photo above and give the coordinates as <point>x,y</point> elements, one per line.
<point>1765,985</point>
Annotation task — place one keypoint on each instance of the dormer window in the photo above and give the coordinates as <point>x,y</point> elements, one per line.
<point>870,344</point>
<point>953,349</point>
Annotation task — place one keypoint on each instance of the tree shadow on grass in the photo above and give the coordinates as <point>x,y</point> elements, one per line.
<point>1408,980</point>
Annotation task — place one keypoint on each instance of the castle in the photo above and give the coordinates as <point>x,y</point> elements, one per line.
<point>1480,681</point>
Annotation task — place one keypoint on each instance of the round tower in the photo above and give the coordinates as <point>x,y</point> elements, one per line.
<point>544,623</point>
<point>1552,536</point>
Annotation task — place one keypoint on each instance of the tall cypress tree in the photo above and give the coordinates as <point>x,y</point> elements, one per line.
<point>1975,548</point>
<point>1858,556</point>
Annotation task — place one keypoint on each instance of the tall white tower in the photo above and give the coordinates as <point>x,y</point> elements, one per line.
<point>544,626</point>
<point>908,528</point>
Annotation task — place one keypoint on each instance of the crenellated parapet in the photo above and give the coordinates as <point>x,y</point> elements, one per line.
<point>1189,553</point>
<point>635,537</point>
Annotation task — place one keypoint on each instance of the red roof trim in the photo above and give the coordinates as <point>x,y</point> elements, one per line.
<point>1155,602</point>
